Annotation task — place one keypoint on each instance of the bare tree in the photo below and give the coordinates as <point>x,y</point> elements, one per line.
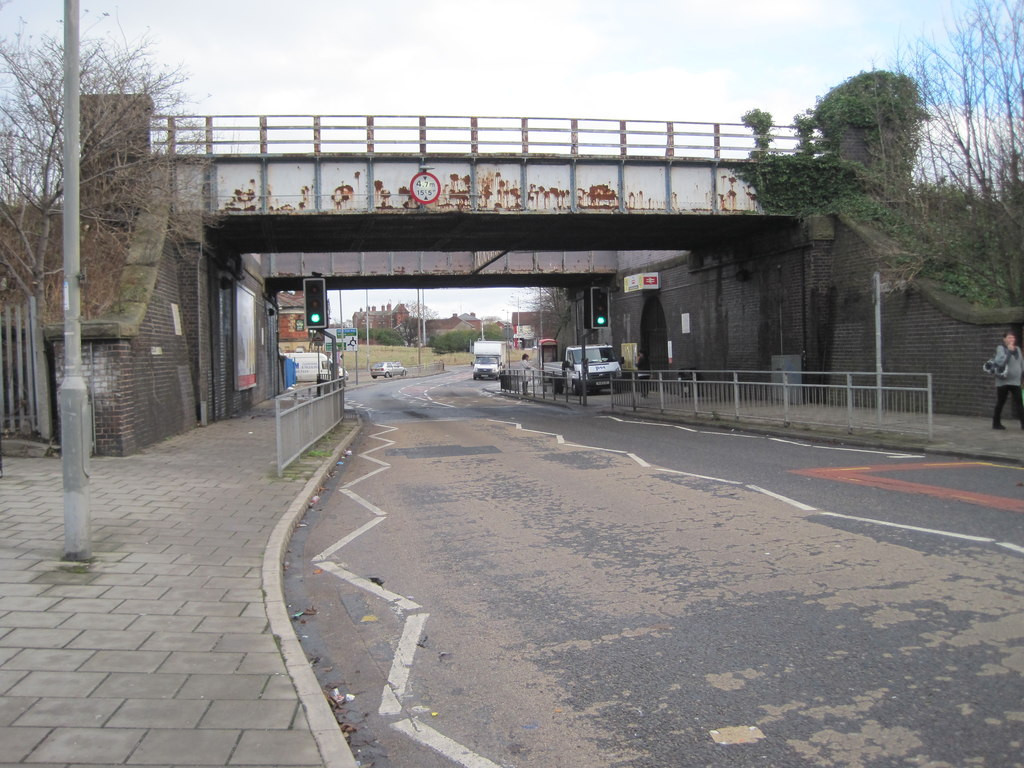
<point>970,190</point>
<point>553,308</point>
<point>411,328</point>
<point>121,88</point>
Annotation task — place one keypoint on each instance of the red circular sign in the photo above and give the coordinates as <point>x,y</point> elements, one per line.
<point>425,188</point>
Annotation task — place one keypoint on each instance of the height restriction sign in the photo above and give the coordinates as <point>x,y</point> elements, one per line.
<point>425,188</point>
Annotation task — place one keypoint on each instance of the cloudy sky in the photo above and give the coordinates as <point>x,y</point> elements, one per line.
<point>684,60</point>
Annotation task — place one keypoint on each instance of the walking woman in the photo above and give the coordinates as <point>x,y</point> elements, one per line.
<point>1008,383</point>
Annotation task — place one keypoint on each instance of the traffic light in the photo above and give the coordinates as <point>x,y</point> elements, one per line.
<point>595,308</point>
<point>314,292</point>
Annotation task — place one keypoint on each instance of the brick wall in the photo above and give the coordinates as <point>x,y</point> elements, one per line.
<point>922,331</point>
<point>807,290</point>
<point>149,385</point>
<point>141,387</point>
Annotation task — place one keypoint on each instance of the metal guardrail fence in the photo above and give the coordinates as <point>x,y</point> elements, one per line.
<point>854,401</point>
<point>19,409</point>
<point>535,384</point>
<point>248,135</point>
<point>304,415</point>
<point>363,376</point>
<point>430,369</point>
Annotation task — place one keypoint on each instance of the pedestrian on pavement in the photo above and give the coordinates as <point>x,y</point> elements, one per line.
<point>643,367</point>
<point>524,366</point>
<point>1008,359</point>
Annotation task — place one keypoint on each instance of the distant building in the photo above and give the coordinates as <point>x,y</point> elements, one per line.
<point>387,317</point>
<point>292,335</point>
<point>525,327</point>
<point>464,322</point>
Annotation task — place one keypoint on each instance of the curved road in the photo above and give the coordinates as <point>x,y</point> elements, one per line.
<point>495,583</point>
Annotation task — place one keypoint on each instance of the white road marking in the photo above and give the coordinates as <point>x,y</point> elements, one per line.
<point>351,537</point>
<point>558,438</point>
<point>412,628</point>
<point>424,734</point>
<point>887,454</point>
<point>757,489</point>
<point>694,475</point>
<point>785,441</point>
<point>651,423</point>
<point>792,502</point>
<point>887,524</point>
<point>638,460</point>
<point>363,502</point>
<point>401,664</point>
<point>363,583</point>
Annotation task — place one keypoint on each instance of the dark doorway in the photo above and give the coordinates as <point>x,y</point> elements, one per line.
<point>654,334</point>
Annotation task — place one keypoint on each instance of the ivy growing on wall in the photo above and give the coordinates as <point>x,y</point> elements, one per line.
<point>878,112</point>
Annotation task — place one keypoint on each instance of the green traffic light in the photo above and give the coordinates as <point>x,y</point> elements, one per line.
<point>601,320</point>
<point>314,318</point>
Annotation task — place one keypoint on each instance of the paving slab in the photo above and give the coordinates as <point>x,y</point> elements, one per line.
<point>159,651</point>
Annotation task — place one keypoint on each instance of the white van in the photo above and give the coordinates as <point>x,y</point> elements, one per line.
<point>311,366</point>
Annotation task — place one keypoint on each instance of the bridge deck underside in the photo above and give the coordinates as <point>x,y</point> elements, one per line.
<point>452,233</point>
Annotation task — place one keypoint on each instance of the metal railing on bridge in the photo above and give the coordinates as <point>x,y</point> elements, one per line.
<point>248,135</point>
<point>852,401</point>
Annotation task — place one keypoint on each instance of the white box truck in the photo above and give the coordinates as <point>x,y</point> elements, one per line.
<point>488,359</point>
<point>312,366</point>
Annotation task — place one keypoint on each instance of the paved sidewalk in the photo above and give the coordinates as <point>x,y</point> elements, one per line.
<point>165,651</point>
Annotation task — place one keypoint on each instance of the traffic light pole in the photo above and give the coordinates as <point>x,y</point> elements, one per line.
<point>582,336</point>
<point>314,298</point>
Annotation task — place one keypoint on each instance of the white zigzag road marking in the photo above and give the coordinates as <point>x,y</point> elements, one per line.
<point>416,730</point>
<point>363,502</point>
<point>368,474</point>
<point>350,538</point>
<point>412,629</point>
<point>363,583</point>
<point>401,664</point>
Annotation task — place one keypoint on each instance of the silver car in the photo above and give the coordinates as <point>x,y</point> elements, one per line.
<point>387,370</point>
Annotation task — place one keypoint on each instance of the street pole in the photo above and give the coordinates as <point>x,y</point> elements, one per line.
<point>540,317</point>
<point>877,286</point>
<point>75,421</point>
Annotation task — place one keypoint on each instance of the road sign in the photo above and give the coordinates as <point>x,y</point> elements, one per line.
<point>425,188</point>
<point>349,339</point>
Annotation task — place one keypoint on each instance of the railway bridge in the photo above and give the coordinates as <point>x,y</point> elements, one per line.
<point>369,201</point>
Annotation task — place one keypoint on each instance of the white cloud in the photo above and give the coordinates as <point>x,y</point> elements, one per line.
<point>647,59</point>
<point>679,60</point>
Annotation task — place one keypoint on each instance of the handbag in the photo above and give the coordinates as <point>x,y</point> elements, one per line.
<point>990,366</point>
